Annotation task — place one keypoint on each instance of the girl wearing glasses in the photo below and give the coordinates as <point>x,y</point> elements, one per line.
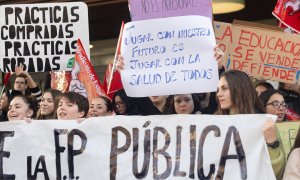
<point>122,105</point>
<point>274,103</point>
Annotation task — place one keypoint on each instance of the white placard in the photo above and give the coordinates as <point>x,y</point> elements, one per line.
<point>42,37</point>
<point>108,147</point>
<point>169,56</point>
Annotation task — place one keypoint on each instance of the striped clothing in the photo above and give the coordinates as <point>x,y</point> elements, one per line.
<point>36,92</point>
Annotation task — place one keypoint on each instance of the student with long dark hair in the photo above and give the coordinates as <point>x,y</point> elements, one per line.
<point>48,104</point>
<point>236,95</point>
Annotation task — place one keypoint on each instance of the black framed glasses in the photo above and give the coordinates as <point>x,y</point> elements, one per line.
<point>277,104</point>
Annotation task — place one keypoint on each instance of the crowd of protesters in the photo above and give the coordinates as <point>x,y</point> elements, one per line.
<point>236,94</point>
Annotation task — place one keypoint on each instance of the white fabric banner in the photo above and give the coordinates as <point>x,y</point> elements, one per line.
<point>131,147</point>
<point>169,56</point>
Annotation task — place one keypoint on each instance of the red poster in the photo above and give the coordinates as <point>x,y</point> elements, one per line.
<point>288,12</point>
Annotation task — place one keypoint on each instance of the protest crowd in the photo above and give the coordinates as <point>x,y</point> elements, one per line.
<point>237,93</point>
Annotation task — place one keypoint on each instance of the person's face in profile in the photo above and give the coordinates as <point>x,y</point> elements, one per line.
<point>223,94</point>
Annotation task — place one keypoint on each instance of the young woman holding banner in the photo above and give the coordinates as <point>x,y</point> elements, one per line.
<point>100,106</point>
<point>236,95</point>
<point>48,104</point>
<point>6,98</point>
<point>72,106</point>
<point>22,108</point>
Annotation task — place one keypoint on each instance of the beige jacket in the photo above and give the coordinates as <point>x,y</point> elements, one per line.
<point>292,168</point>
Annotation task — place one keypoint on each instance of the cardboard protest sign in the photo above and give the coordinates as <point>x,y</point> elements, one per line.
<point>288,13</point>
<point>265,53</point>
<point>42,37</point>
<point>288,132</point>
<point>137,147</point>
<point>169,56</point>
<point>223,35</point>
<point>152,9</point>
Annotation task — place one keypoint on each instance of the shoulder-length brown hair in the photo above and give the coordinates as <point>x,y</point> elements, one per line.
<point>243,95</point>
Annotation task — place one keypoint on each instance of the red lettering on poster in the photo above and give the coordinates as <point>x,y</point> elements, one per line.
<point>237,53</point>
<point>244,37</point>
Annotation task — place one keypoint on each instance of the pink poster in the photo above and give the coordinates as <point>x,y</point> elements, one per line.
<point>152,9</point>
